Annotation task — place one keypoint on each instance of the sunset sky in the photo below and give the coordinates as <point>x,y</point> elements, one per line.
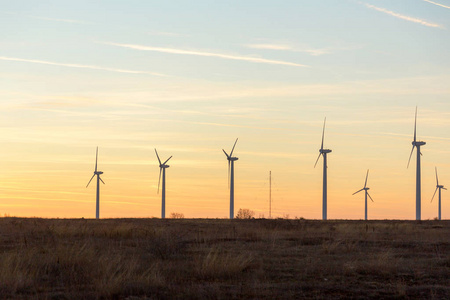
<point>189,77</point>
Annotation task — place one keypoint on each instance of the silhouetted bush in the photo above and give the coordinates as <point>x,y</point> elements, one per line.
<point>245,213</point>
<point>176,215</point>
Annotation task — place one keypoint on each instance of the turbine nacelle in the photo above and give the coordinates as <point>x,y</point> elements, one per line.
<point>324,151</point>
<point>438,186</point>
<point>415,143</point>
<point>96,173</point>
<point>162,165</point>
<point>230,157</point>
<point>418,143</point>
<point>365,188</point>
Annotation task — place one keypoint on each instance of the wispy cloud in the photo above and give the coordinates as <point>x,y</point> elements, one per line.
<point>51,19</point>
<point>62,20</point>
<point>282,47</point>
<point>44,62</point>
<point>234,125</point>
<point>207,54</point>
<point>269,46</point>
<point>166,33</point>
<point>438,4</point>
<point>403,17</point>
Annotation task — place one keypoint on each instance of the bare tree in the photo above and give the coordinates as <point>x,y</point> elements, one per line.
<point>176,215</point>
<point>245,213</point>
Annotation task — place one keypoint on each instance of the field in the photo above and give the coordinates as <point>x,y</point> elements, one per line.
<point>223,259</point>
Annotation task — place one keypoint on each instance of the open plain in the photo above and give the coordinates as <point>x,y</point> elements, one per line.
<point>223,259</point>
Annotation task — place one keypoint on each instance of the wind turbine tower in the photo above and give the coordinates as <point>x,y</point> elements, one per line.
<point>438,187</point>
<point>270,194</point>
<point>231,161</point>
<point>324,153</point>
<point>365,189</point>
<point>97,173</point>
<point>162,169</point>
<point>417,144</point>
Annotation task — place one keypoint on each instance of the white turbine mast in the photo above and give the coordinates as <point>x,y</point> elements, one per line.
<point>231,161</point>
<point>97,173</point>
<point>365,189</point>
<point>438,187</point>
<point>323,152</point>
<point>162,169</point>
<point>417,144</point>
<point>270,194</point>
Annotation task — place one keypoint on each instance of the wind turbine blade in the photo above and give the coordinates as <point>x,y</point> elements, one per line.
<point>226,153</point>
<point>90,180</point>
<point>434,194</point>
<point>415,125</point>
<point>437,180</point>
<point>101,179</point>
<point>167,160</point>
<point>96,159</point>
<point>323,133</point>
<point>317,160</point>
<point>410,155</point>
<point>367,175</point>
<point>231,154</point>
<point>358,191</point>
<point>370,197</point>
<point>444,188</point>
<point>157,156</point>
<point>159,180</point>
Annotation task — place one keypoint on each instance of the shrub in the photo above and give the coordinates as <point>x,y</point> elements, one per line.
<point>176,215</point>
<point>245,213</point>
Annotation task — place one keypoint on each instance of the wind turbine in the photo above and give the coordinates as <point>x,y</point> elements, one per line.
<point>324,153</point>
<point>162,168</point>
<point>231,161</point>
<point>365,189</point>
<point>97,173</point>
<point>438,187</point>
<point>418,181</point>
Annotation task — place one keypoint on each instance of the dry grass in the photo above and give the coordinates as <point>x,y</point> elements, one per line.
<point>223,259</point>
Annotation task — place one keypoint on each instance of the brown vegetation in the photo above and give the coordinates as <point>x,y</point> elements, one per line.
<point>245,213</point>
<point>176,215</point>
<point>223,259</point>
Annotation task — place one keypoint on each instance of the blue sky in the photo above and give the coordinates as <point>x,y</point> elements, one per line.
<point>188,78</point>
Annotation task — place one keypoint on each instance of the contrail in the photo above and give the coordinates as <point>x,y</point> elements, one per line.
<point>407,18</point>
<point>44,62</point>
<point>209,54</point>
<point>438,4</point>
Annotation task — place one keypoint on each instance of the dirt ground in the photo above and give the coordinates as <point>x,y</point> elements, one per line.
<point>223,259</point>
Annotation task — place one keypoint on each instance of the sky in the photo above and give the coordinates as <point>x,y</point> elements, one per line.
<point>189,77</point>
